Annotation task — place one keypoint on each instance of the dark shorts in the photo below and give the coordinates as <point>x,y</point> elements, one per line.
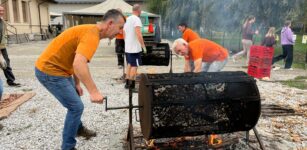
<point>119,46</point>
<point>134,59</point>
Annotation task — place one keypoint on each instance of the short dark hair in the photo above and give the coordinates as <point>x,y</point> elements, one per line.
<point>183,24</point>
<point>114,14</point>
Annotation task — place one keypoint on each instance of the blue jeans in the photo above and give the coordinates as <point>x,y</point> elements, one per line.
<point>215,66</point>
<point>63,88</point>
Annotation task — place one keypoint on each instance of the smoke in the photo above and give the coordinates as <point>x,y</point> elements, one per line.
<point>228,15</point>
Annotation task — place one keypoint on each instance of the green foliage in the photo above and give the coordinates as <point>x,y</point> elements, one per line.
<point>299,82</point>
<point>157,6</point>
<point>227,15</point>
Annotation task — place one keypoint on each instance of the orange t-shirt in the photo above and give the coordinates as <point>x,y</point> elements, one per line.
<point>189,35</point>
<point>57,59</point>
<point>119,36</point>
<point>207,50</point>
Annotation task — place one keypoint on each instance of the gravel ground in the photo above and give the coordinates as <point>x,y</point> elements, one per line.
<point>38,123</point>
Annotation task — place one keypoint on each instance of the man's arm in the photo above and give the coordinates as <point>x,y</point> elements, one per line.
<point>82,72</point>
<point>139,36</point>
<point>78,86</point>
<point>197,65</point>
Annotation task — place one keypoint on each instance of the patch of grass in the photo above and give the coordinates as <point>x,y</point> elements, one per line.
<point>301,78</point>
<point>299,82</point>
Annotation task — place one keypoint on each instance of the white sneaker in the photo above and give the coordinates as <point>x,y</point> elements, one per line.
<point>276,68</point>
<point>288,68</point>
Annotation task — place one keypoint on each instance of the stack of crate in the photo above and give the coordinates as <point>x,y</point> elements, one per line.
<point>260,61</point>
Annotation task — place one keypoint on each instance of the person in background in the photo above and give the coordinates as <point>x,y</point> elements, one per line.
<point>3,65</point>
<point>247,38</point>
<point>8,73</point>
<point>120,48</point>
<point>157,31</point>
<point>188,35</point>
<point>58,29</point>
<point>63,66</point>
<point>269,39</point>
<point>287,40</point>
<point>206,55</point>
<point>134,43</point>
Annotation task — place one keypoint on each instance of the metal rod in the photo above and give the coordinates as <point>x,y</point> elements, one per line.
<point>171,66</point>
<point>130,137</point>
<point>130,128</point>
<point>258,138</point>
<point>124,76</point>
<point>130,105</point>
<point>123,107</point>
<point>247,137</point>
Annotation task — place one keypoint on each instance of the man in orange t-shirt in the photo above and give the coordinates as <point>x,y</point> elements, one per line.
<point>120,47</point>
<point>63,65</point>
<point>206,55</point>
<point>187,34</point>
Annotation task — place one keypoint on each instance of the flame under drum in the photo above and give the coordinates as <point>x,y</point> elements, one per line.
<point>189,104</point>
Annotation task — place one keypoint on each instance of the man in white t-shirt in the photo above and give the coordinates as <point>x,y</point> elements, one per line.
<point>133,44</point>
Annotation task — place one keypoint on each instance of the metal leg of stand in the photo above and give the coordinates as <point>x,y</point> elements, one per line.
<point>171,66</point>
<point>247,137</point>
<point>130,136</point>
<point>124,77</point>
<point>258,138</point>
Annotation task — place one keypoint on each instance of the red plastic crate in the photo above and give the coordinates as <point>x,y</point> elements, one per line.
<point>261,51</point>
<point>258,72</point>
<point>260,62</point>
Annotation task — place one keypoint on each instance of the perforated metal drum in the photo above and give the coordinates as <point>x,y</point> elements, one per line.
<point>187,104</point>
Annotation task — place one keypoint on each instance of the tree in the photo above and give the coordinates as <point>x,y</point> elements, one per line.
<point>227,15</point>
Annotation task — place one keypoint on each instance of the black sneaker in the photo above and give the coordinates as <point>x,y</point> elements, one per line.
<point>14,84</point>
<point>86,133</point>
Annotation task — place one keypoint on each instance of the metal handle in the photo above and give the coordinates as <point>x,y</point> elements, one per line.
<point>115,108</point>
<point>136,116</point>
<point>106,99</point>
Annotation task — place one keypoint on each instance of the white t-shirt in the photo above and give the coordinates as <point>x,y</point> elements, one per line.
<point>132,44</point>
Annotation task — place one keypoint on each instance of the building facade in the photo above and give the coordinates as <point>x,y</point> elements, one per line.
<point>25,17</point>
